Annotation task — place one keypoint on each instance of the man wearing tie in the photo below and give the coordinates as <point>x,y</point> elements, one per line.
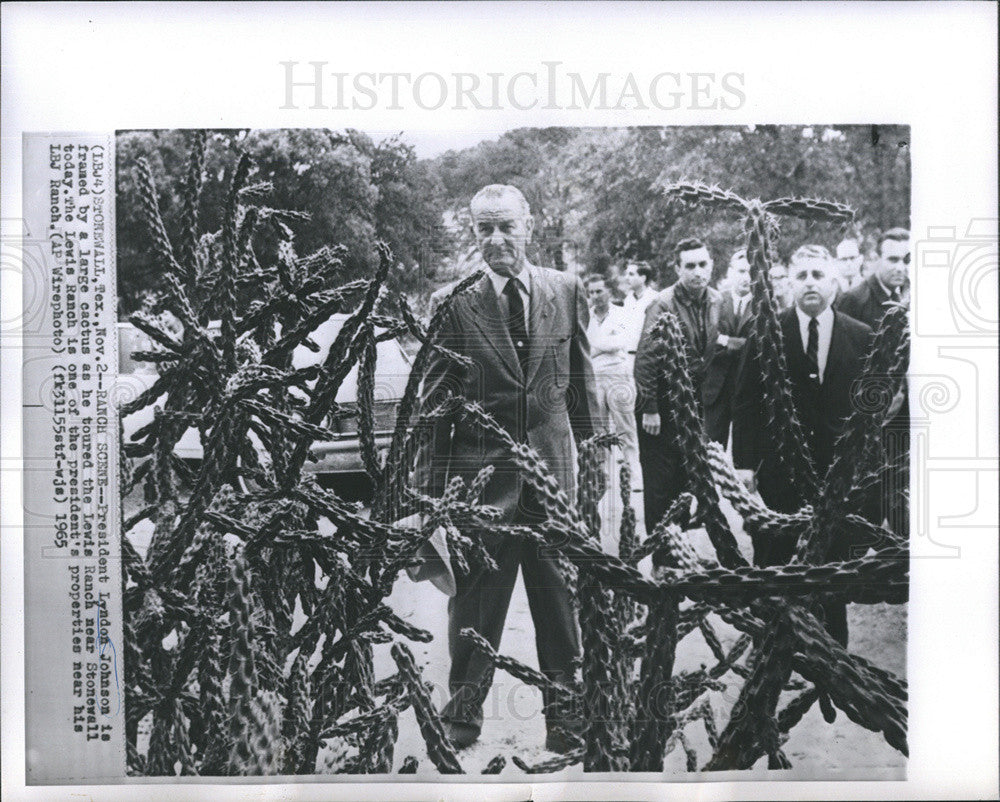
<point>523,328</point>
<point>735,318</point>
<point>825,352</point>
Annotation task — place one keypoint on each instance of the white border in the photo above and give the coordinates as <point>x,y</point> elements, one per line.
<point>931,65</point>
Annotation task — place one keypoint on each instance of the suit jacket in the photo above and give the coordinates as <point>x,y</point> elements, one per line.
<point>864,302</point>
<point>822,408</point>
<point>542,405</point>
<point>720,373</point>
<point>650,393</point>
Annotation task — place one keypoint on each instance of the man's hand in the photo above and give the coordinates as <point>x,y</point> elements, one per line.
<point>651,422</point>
<point>735,343</point>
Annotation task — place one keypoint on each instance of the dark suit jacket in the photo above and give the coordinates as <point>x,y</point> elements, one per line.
<point>650,396</point>
<point>723,360</point>
<point>542,405</point>
<point>864,302</point>
<point>822,408</point>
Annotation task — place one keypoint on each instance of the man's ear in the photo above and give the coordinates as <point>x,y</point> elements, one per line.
<point>529,226</point>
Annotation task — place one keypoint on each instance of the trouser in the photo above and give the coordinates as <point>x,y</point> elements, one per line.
<point>615,412</point>
<point>663,475</point>
<point>481,603</point>
<point>718,417</point>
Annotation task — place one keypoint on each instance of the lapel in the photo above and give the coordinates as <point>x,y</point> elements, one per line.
<point>838,349</point>
<point>744,317</point>
<point>713,308</point>
<point>794,353</point>
<point>727,314</point>
<point>876,299</point>
<point>540,316</point>
<point>488,318</point>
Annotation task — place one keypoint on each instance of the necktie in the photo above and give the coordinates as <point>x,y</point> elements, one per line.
<point>515,320</point>
<point>812,347</point>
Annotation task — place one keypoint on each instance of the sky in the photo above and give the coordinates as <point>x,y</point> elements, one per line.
<point>429,144</point>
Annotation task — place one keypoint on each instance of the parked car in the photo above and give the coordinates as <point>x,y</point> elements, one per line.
<point>339,459</point>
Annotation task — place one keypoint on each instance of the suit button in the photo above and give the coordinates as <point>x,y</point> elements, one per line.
<point>520,344</point>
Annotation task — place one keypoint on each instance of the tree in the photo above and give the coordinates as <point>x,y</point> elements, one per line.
<point>354,191</point>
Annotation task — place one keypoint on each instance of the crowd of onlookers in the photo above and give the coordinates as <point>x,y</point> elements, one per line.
<point>828,304</point>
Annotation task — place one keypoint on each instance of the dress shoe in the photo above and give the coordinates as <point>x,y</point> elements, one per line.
<point>461,735</point>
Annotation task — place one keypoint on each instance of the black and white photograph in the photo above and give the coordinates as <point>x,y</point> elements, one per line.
<point>576,450</point>
<point>511,401</point>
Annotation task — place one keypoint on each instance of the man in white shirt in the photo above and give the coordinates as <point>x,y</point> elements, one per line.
<point>608,334</point>
<point>849,262</point>
<point>639,294</point>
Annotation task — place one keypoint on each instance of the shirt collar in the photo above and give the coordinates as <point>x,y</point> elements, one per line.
<point>685,296</point>
<point>525,276</point>
<point>886,290</point>
<point>824,318</point>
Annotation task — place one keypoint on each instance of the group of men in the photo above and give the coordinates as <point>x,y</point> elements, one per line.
<point>827,311</point>
<point>553,361</point>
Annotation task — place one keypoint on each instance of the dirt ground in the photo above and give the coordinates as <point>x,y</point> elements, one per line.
<point>514,724</point>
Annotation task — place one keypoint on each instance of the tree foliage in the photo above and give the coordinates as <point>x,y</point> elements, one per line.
<point>355,192</point>
<point>600,189</point>
<point>596,193</point>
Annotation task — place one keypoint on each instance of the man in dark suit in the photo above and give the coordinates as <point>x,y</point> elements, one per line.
<point>524,329</point>
<point>825,352</point>
<point>735,318</point>
<point>868,303</point>
<point>696,306</point>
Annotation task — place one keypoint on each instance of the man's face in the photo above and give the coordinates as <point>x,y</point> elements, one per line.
<point>634,280</point>
<point>694,268</point>
<point>739,276</point>
<point>813,285</point>
<point>894,263</point>
<point>598,295</point>
<point>502,231</point>
<point>849,259</point>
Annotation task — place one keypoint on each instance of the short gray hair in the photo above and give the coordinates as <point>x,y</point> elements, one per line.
<point>810,252</point>
<point>496,192</point>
